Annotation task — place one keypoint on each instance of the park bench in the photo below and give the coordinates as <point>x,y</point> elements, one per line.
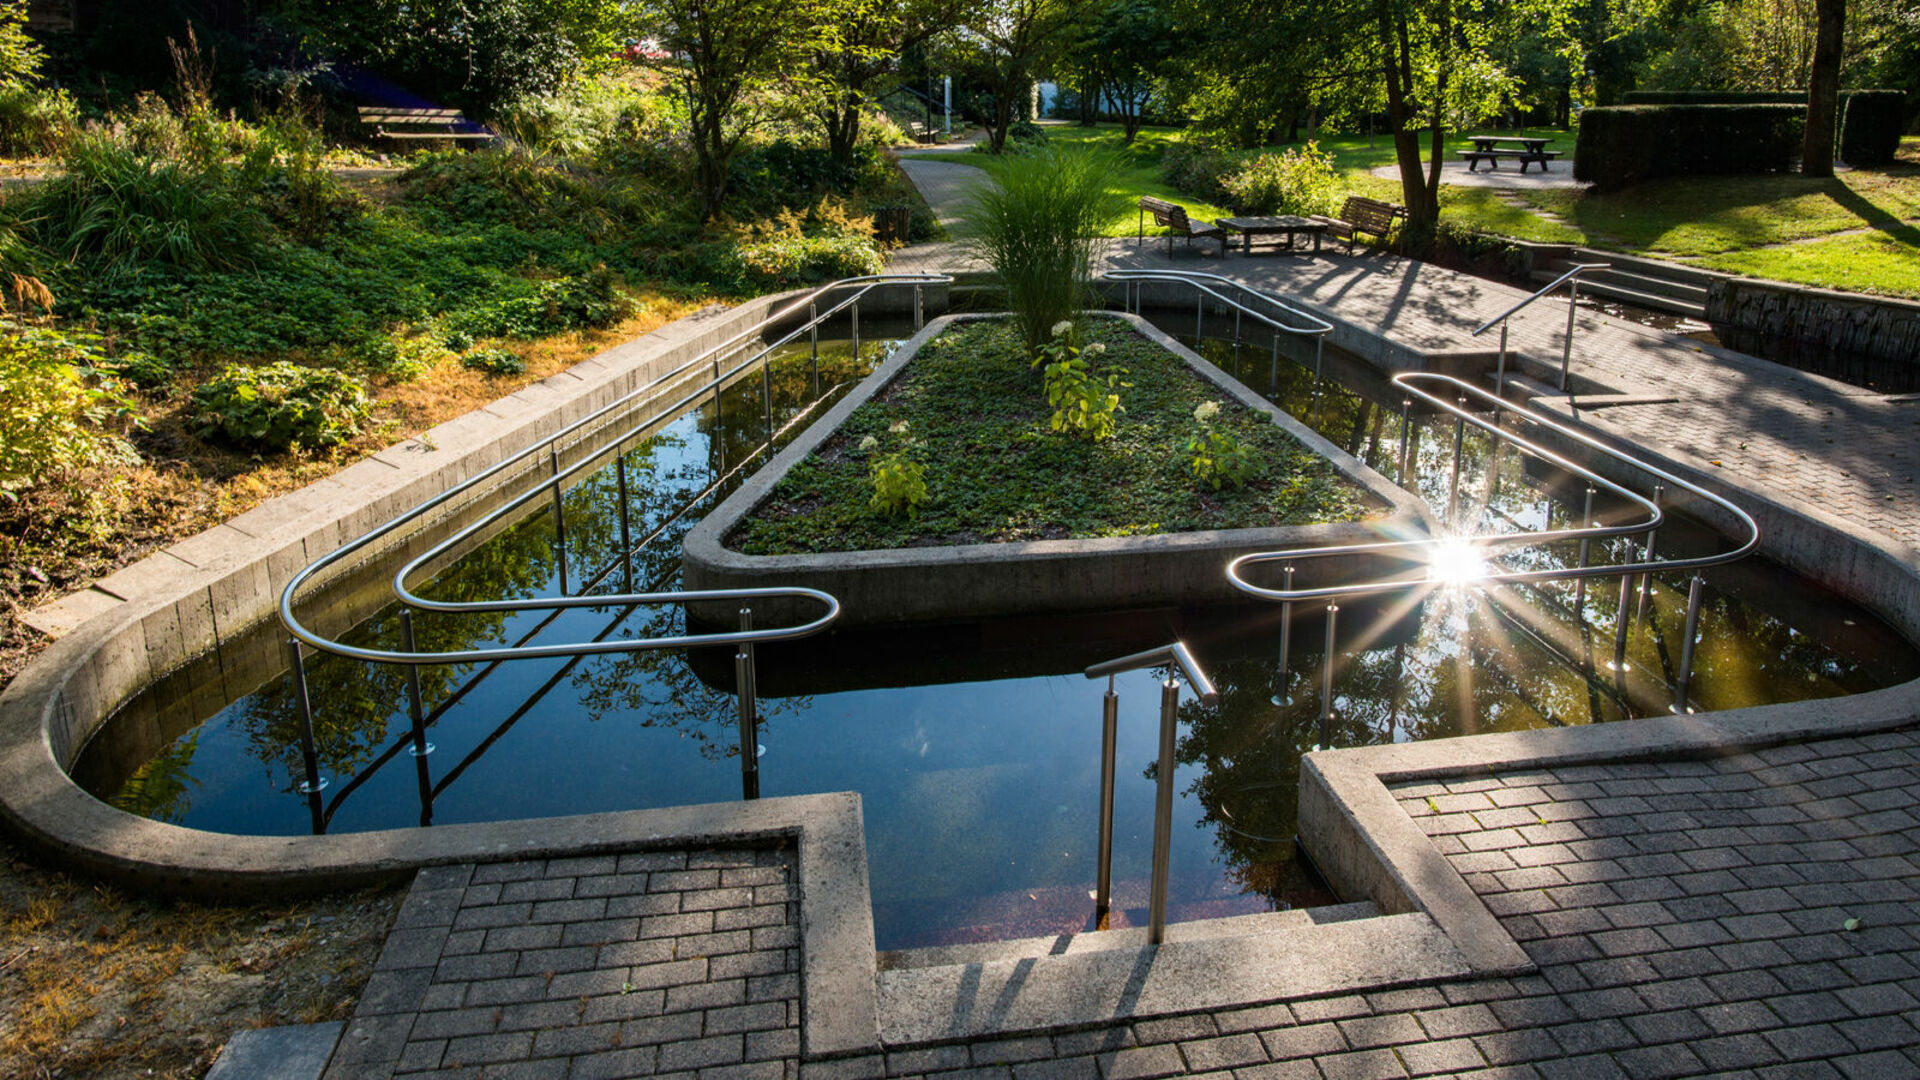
<point>922,132</point>
<point>1173,218</point>
<point>438,123</point>
<point>1362,215</point>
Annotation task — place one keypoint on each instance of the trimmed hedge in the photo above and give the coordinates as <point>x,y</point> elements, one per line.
<point>1622,145</point>
<point>1875,120</point>
<point>1714,97</point>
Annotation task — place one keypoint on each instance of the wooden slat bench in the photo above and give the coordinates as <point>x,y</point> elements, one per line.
<point>440,123</point>
<point>1173,218</point>
<point>922,132</point>
<point>1362,215</point>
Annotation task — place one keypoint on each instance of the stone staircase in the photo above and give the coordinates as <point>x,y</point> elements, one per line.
<point>1647,283</point>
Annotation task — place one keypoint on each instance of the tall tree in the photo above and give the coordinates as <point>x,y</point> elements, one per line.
<point>726,58</point>
<point>1823,89</point>
<point>861,63</point>
<point>1125,50</point>
<point>1012,41</point>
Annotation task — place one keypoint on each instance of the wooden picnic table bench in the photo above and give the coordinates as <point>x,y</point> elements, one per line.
<point>1362,215</point>
<point>440,123</point>
<point>1173,217</point>
<point>1489,148</point>
<point>922,132</point>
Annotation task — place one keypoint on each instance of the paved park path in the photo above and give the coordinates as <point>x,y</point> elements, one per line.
<point>1755,915</point>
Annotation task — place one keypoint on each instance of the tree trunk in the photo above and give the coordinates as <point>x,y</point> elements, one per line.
<point>1397,56</point>
<point>1823,89</point>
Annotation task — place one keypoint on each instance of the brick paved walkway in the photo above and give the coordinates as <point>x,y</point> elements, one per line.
<point>1688,918</point>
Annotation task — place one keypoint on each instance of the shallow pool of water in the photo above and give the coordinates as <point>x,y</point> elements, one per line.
<point>974,746</point>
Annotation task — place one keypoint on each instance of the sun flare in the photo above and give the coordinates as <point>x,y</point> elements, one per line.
<point>1455,563</point>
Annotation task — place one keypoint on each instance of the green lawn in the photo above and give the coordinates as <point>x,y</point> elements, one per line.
<point>1858,231</point>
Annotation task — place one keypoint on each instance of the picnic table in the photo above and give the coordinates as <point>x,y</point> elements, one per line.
<point>1287,225</point>
<point>1491,148</point>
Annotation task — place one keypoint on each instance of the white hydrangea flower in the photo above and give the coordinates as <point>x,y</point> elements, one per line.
<point>1206,411</point>
<point>1062,327</point>
<point>897,426</point>
<point>869,443</point>
<point>1095,349</point>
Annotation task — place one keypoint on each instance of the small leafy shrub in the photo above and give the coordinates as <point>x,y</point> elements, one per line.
<point>1085,406</point>
<point>281,406</point>
<point>549,307</point>
<point>1294,181</point>
<point>1036,229</point>
<point>56,406</point>
<point>790,260</point>
<point>1197,169</point>
<point>1218,459</point>
<point>142,369</point>
<point>899,485</point>
<point>494,361</point>
<point>35,121</point>
<point>401,359</point>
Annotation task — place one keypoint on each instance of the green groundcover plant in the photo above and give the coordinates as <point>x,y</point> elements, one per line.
<point>995,471</point>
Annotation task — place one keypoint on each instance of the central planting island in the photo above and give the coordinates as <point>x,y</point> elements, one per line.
<point>1019,519</point>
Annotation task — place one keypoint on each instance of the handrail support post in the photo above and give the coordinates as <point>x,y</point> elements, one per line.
<point>748,694</point>
<point>1163,812</point>
<point>1680,704</point>
<point>1109,743</point>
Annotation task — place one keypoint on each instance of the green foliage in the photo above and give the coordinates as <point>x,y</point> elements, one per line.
<point>1624,145</point>
<point>970,401</point>
<point>786,261</point>
<point>20,55</point>
<point>494,361</point>
<point>1216,457</point>
<point>1299,180</point>
<point>1193,166</point>
<point>1714,97</point>
<point>1870,132</point>
<point>402,359</point>
<point>899,485</point>
<point>113,209</point>
<point>281,406</point>
<point>55,406</point>
<point>35,121</point>
<point>1084,404</point>
<point>551,307</point>
<point>1035,228</point>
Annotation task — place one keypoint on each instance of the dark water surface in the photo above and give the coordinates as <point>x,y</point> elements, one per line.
<point>974,747</point>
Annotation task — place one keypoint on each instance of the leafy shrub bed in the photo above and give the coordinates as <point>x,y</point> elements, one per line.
<point>970,409</point>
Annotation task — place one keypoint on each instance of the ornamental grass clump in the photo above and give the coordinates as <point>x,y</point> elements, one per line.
<point>1036,228</point>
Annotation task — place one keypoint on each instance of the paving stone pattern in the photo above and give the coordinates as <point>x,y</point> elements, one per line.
<point>1688,919</point>
<point>663,963</point>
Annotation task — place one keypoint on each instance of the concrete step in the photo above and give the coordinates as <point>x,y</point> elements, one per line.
<point>1653,286</point>
<point>292,1052</point>
<point>1669,304</point>
<point>1659,268</point>
<point>1125,937</point>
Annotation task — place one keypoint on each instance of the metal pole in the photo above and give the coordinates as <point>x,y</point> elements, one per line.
<point>1459,443</point>
<point>1163,812</point>
<point>1500,377</point>
<point>1273,371</point>
<point>1620,620</point>
<point>1646,583</point>
<point>1280,695</point>
<point>1326,682</point>
<point>1109,741</point>
<point>813,329</point>
<point>1199,316</point>
<point>1236,325</point>
<point>1686,648</point>
<point>1406,440</point>
<point>1566,352</point>
<point>303,707</point>
<point>559,517</point>
<point>919,312</point>
<point>1319,349</point>
<point>856,331</point>
<point>766,398</point>
<point>416,712</point>
<point>626,529</point>
<point>1586,546</point>
<point>743,679</point>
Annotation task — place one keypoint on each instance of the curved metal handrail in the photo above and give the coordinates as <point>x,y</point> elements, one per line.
<point>1566,347</point>
<point>1195,278</point>
<point>1576,271</point>
<point>1407,381</point>
<point>289,595</point>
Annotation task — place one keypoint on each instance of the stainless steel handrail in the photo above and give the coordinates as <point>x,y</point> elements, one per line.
<point>1472,549</point>
<point>1175,655</point>
<point>1566,350</point>
<point>745,638</point>
<point>1132,299</point>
